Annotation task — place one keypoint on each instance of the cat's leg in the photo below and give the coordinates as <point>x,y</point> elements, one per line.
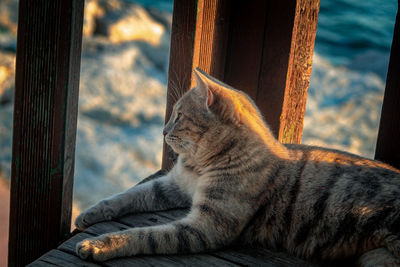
<point>158,194</point>
<point>378,257</point>
<point>205,228</point>
<point>392,243</point>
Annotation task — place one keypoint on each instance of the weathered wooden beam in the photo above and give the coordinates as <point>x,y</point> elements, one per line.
<point>45,116</point>
<point>262,47</point>
<point>388,143</point>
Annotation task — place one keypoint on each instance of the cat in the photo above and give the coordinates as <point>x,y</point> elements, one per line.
<point>244,186</point>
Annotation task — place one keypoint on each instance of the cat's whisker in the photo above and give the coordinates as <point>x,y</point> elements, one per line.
<point>174,91</point>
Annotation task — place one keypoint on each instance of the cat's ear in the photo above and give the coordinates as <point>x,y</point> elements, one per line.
<point>216,96</point>
<point>203,84</point>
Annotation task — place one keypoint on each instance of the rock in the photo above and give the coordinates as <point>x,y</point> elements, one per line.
<point>92,12</point>
<point>8,43</point>
<point>9,16</point>
<point>130,22</point>
<point>6,115</point>
<point>7,74</point>
<point>162,16</point>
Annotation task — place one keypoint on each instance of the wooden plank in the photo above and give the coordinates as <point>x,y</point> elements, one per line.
<point>235,256</point>
<point>45,112</point>
<point>171,260</point>
<point>150,219</point>
<point>141,261</point>
<point>69,245</point>
<point>106,227</point>
<point>60,258</point>
<point>140,220</point>
<point>260,257</point>
<point>132,220</point>
<point>147,219</point>
<point>388,143</point>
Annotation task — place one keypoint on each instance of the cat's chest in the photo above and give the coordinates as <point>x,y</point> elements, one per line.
<point>188,179</point>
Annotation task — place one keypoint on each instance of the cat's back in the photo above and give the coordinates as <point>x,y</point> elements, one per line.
<point>321,159</point>
<point>342,197</point>
<point>332,204</point>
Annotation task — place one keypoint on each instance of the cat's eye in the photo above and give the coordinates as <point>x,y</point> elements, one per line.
<point>178,116</point>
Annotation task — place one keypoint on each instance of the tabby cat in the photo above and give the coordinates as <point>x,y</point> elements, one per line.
<point>245,186</point>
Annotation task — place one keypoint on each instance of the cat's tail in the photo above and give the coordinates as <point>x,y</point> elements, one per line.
<point>378,257</point>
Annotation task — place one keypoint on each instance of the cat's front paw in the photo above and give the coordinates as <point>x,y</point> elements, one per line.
<point>97,249</point>
<point>82,222</point>
<point>91,216</point>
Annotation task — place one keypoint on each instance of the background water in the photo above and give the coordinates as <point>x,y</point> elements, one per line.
<point>347,83</point>
<point>348,29</point>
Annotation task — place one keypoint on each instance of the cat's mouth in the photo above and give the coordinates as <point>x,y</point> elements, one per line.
<point>175,143</point>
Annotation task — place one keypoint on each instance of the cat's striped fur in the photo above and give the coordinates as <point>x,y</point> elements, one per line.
<point>243,185</point>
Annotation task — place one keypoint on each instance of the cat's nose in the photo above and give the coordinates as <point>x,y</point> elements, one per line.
<point>164,132</point>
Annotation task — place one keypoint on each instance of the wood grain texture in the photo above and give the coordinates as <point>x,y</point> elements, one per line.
<point>299,71</point>
<point>212,26</point>
<point>235,256</point>
<point>388,143</point>
<point>245,45</point>
<point>45,112</point>
<point>59,258</point>
<point>260,257</point>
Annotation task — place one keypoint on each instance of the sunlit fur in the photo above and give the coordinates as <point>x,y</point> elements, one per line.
<point>244,186</point>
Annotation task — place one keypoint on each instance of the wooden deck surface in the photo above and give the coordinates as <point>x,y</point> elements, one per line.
<point>65,255</point>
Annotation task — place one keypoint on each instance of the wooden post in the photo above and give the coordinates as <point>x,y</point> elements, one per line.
<point>262,47</point>
<point>388,143</point>
<point>45,116</point>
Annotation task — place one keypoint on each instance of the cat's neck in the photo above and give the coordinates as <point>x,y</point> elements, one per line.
<point>260,131</point>
<point>228,144</point>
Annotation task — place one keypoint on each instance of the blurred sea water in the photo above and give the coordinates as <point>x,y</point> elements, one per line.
<point>351,57</point>
<point>349,29</point>
<point>124,77</point>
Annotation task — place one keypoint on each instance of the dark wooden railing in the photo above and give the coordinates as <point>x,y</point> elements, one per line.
<point>261,47</point>
<point>45,114</point>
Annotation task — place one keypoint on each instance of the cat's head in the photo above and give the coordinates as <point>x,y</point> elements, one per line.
<point>208,113</point>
